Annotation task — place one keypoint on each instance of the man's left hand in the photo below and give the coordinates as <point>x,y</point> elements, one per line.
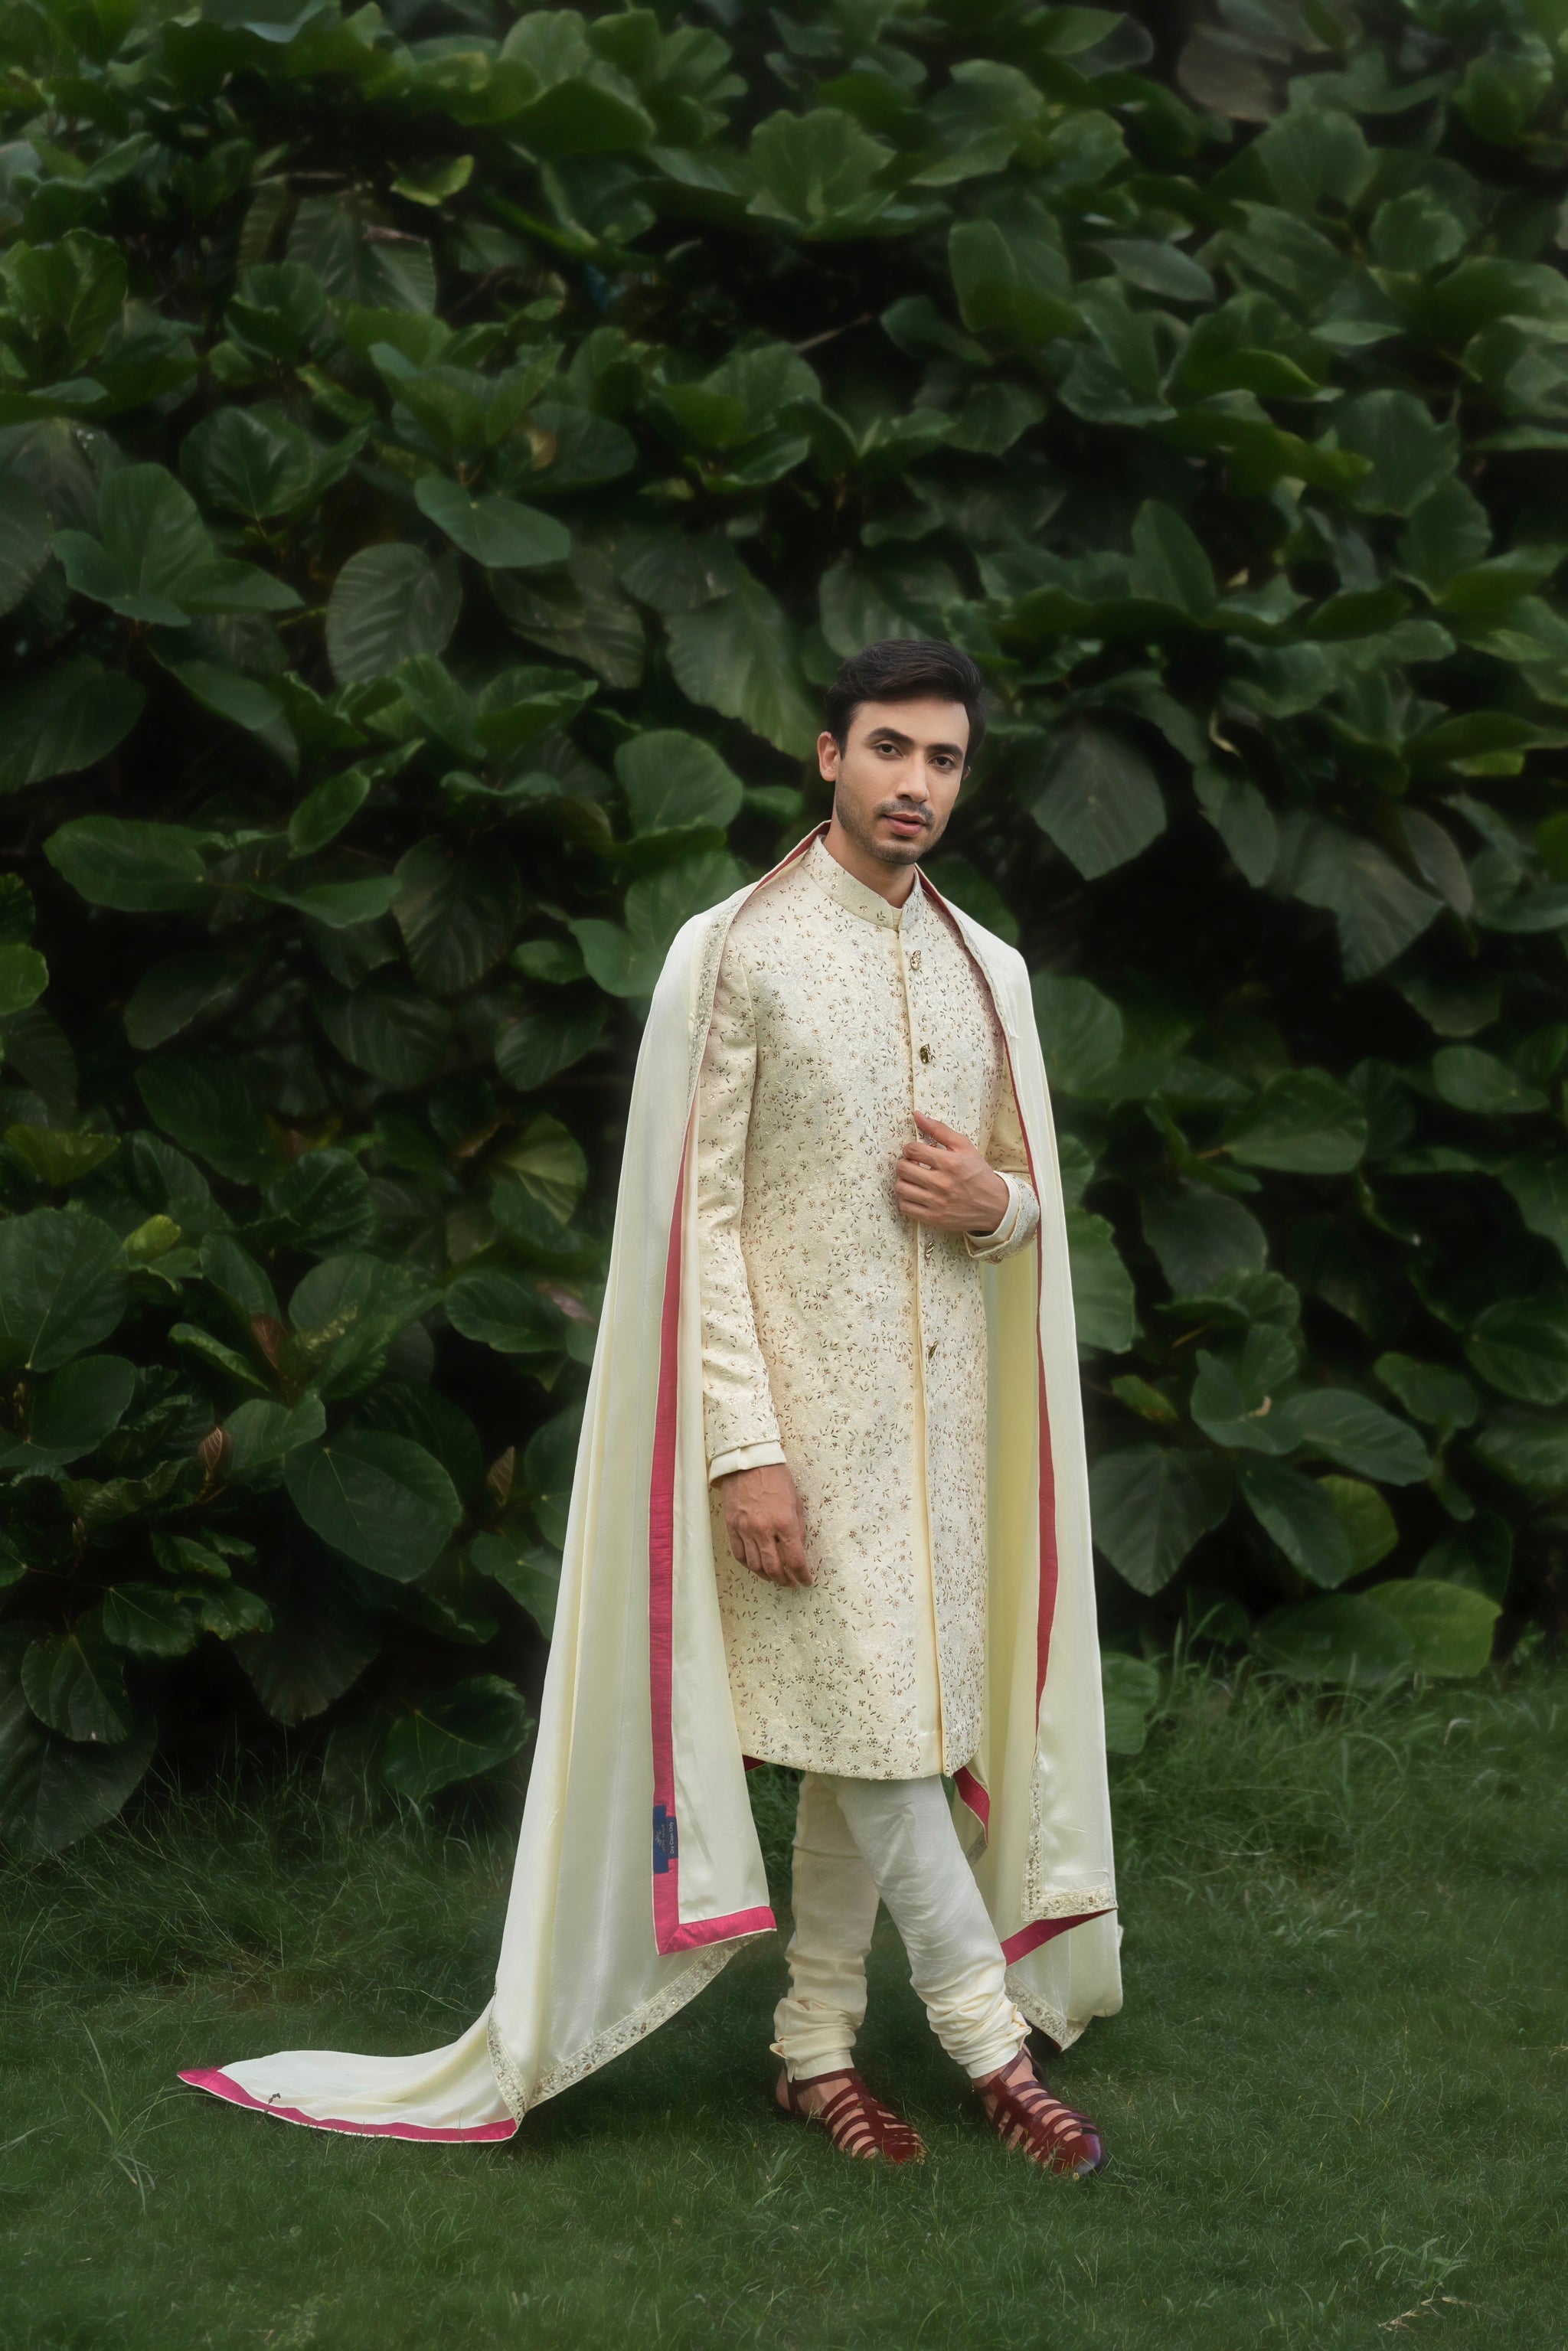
<point>942,1180</point>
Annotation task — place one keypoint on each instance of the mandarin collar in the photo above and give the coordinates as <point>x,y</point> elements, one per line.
<point>856,897</point>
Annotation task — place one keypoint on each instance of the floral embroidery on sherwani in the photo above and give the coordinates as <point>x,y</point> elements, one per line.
<point>841,1337</point>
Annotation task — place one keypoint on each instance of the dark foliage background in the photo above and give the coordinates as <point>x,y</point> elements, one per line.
<point>442,450</point>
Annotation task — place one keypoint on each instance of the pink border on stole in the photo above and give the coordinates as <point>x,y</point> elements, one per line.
<point>222,2085</point>
<point>971,1788</point>
<point>670,1934</point>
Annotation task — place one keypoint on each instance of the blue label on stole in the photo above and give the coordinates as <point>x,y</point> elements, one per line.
<point>663,1839</point>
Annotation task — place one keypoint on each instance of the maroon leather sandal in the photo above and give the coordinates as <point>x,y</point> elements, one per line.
<point>857,2123</point>
<point>1026,2116</point>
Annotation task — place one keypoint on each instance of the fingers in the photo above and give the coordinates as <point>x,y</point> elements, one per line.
<point>947,1136</point>
<point>792,1560</point>
<point>776,1553</point>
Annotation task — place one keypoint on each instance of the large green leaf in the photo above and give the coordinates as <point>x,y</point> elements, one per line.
<point>24,539</point>
<point>1407,450</point>
<point>1476,1081</point>
<point>1233,1398</point>
<point>1017,287</point>
<point>75,1684</point>
<point>1130,1688</point>
<point>532,1050</point>
<point>1305,1121</point>
<point>454,1735</point>
<point>419,1412</point>
<point>627,961</point>
<point>262,1432</point>
<point>1370,1526</point>
<point>549,1466</point>
<point>1100,804</point>
<point>320,1203</point>
<point>53,1790</point>
<point>1347,1640</point>
<point>737,655</point>
<point>1356,1433</point>
<point>1377,908</point>
<point>1080,1032</point>
<point>148,1621</point>
<point>171,995</point>
<point>69,1412</point>
<point>142,869</point>
<point>1199,1235</point>
<point>209,1108</point>
<point>302,1664</point>
<point>456,916</point>
<point>1450,1628</point>
<point>674,780</point>
<point>152,561</point>
<point>23,976</point>
<point>1429,1392</point>
<point>817,173</point>
<point>503,1312</point>
<point>394,1032</point>
<point>1103,1305</point>
<point>251,461</point>
<point>389,603</point>
<point>1150,1504</point>
<point>1520,1346</point>
<point>1540,1189</point>
<point>66,717</point>
<point>529,1571</point>
<point>500,533</point>
<point>382,1500</point>
<point>62,1288</point>
<point>1300,1517</point>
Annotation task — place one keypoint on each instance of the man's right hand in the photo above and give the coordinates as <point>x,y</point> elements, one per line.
<point>763,1518</point>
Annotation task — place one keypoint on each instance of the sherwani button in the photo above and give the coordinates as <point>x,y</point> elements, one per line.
<point>925,1053</point>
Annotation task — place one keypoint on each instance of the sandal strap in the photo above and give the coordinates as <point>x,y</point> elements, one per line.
<point>857,2122</point>
<point>1050,2133</point>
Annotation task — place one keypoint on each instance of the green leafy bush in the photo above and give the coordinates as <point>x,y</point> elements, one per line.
<point>442,450</point>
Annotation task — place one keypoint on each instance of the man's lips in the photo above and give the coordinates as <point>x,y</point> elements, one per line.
<point>906,825</point>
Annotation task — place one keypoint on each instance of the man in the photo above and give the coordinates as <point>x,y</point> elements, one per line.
<point>843,1223</point>
<point>830,1511</point>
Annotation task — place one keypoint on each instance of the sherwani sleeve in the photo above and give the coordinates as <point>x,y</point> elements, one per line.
<point>1007,1155</point>
<point>740,1426</point>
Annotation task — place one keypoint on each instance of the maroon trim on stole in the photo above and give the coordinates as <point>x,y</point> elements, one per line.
<point>975,1793</point>
<point>968,1783</point>
<point>669,1932</point>
<point>970,1787</point>
<point>1043,1930</point>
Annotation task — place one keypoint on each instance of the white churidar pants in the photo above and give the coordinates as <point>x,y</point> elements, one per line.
<point>856,1840</point>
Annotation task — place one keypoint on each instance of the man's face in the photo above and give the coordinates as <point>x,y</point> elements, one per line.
<point>897,777</point>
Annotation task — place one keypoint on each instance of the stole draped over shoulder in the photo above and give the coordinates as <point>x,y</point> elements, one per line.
<point>934,1422</point>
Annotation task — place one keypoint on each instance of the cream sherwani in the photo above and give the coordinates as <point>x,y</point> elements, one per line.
<point>838,1335</point>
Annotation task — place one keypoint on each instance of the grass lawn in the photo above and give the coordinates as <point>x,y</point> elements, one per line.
<point>1334,2102</point>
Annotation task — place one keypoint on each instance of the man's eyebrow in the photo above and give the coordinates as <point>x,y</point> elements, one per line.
<point>891,734</point>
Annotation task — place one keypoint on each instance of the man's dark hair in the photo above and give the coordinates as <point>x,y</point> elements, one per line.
<point>905,669</point>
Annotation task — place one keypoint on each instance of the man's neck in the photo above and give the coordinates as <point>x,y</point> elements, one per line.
<point>893,883</point>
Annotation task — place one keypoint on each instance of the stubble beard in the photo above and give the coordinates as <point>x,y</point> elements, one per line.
<point>886,853</point>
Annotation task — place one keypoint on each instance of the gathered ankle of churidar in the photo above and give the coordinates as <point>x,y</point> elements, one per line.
<point>857,1839</point>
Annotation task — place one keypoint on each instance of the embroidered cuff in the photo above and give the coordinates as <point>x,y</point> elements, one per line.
<point>984,1245</point>
<point>744,1457</point>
